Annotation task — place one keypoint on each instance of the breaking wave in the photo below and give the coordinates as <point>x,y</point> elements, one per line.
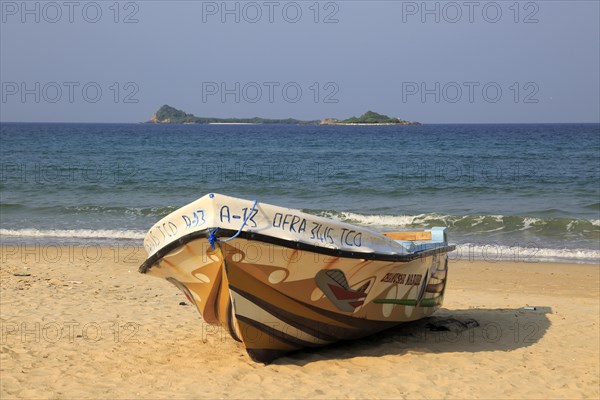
<point>526,253</point>
<point>470,224</point>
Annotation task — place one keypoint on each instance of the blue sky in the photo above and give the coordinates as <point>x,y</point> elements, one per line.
<point>434,62</point>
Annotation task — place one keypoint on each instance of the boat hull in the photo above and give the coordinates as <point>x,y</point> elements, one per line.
<point>276,297</point>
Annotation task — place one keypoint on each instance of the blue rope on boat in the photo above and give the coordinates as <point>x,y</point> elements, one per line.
<point>212,234</point>
<point>212,238</point>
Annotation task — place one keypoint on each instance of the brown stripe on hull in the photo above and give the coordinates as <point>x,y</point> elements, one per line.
<point>273,333</point>
<point>254,339</point>
<point>274,343</point>
<point>360,324</point>
<point>435,287</point>
<point>314,328</point>
<point>354,327</point>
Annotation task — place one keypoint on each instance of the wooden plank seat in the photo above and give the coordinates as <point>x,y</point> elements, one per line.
<point>408,235</point>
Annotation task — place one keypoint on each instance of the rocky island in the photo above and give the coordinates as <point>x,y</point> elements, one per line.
<point>369,118</point>
<point>170,115</point>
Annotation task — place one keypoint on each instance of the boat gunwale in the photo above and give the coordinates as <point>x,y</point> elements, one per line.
<point>249,235</point>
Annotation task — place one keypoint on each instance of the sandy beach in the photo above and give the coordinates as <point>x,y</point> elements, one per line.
<point>81,322</point>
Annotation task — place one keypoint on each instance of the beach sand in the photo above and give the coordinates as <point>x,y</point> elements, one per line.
<point>83,323</point>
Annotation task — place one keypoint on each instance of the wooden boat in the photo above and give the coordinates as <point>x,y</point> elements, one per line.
<point>280,280</point>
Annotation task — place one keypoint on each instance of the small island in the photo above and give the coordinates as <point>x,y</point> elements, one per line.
<point>170,115</point>
<point>369,118</point>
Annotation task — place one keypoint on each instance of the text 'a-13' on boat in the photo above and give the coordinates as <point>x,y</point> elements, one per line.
<point>280,280</point>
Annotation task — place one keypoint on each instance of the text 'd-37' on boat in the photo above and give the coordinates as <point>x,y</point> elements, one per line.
<point>279,279</point>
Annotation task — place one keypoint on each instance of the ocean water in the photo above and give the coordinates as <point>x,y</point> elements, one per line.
<point>520,192</point>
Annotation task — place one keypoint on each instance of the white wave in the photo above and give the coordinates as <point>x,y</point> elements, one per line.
<point>379,220</point>
<point>526,253</point>
<point>74,233</point>
<point>529,222</point>
<point>492,230</point>
<point>388,220</point>
<point>478,219</point>
<point>477,223</point>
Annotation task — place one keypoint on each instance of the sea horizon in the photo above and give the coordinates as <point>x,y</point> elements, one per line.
<point>422,123</point>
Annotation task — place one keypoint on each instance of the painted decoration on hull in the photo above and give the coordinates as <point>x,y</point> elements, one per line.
<point>431,291</point>
<point>335,286</point>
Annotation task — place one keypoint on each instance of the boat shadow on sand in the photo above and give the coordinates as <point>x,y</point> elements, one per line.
<point>448,331</point>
